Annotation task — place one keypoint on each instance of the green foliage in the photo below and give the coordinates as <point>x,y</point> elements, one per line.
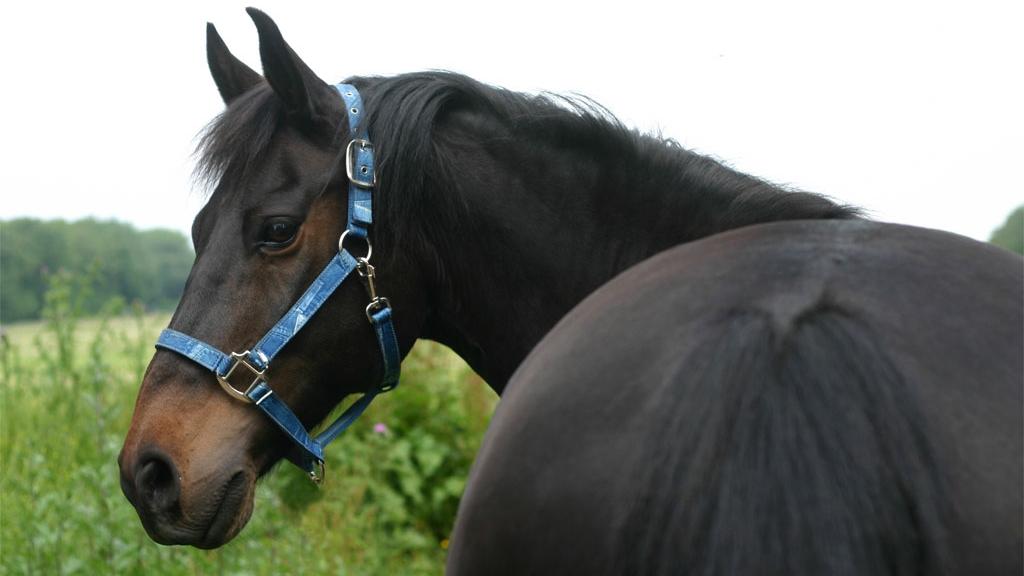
<point>1011,234</point>
<point>67,393</point>
<point>145,266</point>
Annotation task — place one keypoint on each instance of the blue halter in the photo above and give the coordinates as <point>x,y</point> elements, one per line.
<point>241,374</point>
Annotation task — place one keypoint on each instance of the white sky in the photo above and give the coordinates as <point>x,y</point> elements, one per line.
<point>912,110</point>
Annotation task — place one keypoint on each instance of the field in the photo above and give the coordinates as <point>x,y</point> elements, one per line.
<point>67,391</point>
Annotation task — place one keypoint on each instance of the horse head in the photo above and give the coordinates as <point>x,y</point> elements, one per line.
<point>277,154</point>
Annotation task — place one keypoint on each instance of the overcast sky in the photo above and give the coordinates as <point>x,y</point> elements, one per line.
<point>911,110</point>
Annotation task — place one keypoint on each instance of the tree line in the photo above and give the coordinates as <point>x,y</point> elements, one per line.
<point>145,266</point>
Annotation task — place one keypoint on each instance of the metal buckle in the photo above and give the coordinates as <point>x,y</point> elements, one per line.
<point>369,179</point>
<point>225,380</point>
<point>318,473</point>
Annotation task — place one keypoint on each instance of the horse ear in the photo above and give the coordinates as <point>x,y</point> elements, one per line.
<point>232,76</point>
<point>304,94</point>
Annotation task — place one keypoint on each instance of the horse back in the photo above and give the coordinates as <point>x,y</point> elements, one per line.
<point>800,397</point>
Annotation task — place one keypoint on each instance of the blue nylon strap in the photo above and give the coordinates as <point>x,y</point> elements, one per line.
<point>289,325</point>
<point>389,351</point>
<point>354,103</point>
<point>278,411</point>
<point>360,198</point>
<point>196,350</point>
<point>347,418</point>
<point>312,448</point>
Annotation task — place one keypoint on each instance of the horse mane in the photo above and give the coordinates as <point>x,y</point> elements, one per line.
<point>405,111</point>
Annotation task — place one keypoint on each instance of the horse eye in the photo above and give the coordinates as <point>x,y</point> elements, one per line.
<point>278,232</point>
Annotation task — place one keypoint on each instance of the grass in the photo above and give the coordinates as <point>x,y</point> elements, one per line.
<point>67,393</point>
<point>29,342</point>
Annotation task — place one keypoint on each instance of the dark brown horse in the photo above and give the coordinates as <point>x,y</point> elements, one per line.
<point>792,398</point>
<point>799,397</point>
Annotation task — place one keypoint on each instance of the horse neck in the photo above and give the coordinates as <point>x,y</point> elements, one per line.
<point>524,226</point>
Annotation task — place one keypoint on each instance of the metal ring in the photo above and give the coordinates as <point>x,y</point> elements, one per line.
<point>318,473</point>
<point>369,246</point>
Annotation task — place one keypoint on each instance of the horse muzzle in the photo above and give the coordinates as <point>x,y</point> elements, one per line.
<point>205,514</point>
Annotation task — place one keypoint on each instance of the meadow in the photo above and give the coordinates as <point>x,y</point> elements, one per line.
<point>67,389</point>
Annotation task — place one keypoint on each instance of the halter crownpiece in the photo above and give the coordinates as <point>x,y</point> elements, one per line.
<point>243,374</point>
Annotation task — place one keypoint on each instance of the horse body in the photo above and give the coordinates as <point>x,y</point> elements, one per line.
<point>496,214</point>
<point>793,398</point>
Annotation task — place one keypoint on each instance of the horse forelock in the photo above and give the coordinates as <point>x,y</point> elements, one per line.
<point>234,142</point>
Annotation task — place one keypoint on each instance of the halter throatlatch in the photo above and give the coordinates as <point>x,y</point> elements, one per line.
<point>243,374</point>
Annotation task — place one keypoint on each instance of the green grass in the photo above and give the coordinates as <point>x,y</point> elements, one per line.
<point>133,334</point>
<point>67,393</point>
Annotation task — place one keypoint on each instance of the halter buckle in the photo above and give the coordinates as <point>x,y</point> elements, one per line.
<point>248,373</point>
<point>367,176</point>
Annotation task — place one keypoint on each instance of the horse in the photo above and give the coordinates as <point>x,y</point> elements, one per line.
<point>809,397</point>
<point>770,383</point>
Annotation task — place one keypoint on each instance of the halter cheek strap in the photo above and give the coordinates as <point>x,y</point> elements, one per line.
<point>242,374</point>
<point>359,166</point>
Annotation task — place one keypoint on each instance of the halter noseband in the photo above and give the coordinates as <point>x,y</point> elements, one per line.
<point>242,374</point>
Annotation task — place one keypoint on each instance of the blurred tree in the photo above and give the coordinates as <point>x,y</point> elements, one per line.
<point>1011,234</point>
<point>148,266</point>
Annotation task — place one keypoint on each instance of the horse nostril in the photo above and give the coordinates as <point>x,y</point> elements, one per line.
<point>156,482</point>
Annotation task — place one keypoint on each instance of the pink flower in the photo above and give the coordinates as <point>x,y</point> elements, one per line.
<point>380,428</point>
